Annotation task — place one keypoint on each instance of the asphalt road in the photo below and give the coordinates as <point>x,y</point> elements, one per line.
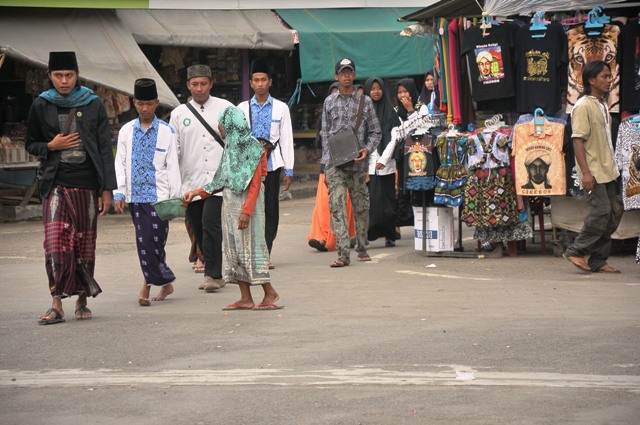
<point>403,339</point>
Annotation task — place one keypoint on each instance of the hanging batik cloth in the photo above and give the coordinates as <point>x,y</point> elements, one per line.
<point>451,176</point>
<point>490,196</point>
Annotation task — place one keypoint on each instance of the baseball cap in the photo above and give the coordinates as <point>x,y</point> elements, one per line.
<point>345,63</point>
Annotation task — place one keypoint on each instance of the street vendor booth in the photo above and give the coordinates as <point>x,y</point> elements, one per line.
<point>501,83</point>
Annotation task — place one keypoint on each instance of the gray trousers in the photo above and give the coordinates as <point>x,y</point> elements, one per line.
<point>594,240</point>
<point>338,182</point>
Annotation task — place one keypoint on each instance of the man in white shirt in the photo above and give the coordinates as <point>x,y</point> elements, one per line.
<point>271,124</point>
<point>199,155</point>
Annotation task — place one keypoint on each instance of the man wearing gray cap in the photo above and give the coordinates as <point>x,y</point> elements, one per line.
<point>348,111</point>
<point>200,149</point>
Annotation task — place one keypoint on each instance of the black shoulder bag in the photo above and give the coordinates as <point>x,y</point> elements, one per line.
<point>205,124</point>
<point>344,146</point>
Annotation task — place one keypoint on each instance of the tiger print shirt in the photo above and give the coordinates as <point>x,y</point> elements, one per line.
<point>627,158</point>
<point>584,48</point>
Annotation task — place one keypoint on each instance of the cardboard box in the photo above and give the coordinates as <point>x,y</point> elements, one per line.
<point>439,229</point>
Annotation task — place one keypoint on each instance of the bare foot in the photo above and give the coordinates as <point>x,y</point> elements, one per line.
<point>241,304</point>
<point>270,299</point>
<point>164,293</point>
<point>143,296</point>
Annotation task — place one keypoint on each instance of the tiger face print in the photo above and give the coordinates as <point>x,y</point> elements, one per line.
<point>584,49</point>
<point>633,184</point>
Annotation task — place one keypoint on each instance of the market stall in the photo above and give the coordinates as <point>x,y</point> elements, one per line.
<point>528,70</point>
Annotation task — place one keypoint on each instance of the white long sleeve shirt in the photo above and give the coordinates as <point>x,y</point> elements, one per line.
<point>199,153</point>
<point>281,131</point>
<point>165,161</point>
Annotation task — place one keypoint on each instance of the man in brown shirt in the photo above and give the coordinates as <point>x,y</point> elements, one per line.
<point>593,148</point>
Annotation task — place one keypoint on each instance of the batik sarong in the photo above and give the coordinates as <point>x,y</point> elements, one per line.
<point>151,238</point>
<point>245,251</point>
<point>70,222</point>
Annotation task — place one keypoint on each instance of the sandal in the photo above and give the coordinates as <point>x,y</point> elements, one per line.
<point>364,257</point>
<point>198,269</point>
<point>56,319</point>
<point>320,246</point>
<point>339,263</point>
<point>82,310</point>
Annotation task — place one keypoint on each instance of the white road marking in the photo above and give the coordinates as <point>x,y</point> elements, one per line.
<point>311,378</point>
<point>446,276</point>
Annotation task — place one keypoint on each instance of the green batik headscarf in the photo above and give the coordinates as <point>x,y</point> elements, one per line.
<point>241,154</point>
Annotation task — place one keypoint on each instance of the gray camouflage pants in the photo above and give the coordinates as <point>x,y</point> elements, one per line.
<point>338,182</point>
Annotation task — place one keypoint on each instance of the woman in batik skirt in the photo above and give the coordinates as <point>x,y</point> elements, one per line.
<point>239,178</point>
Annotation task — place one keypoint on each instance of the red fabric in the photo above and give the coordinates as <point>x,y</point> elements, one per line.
<point>255,184</point>
<point>70,223</point>
<point>454,71</point>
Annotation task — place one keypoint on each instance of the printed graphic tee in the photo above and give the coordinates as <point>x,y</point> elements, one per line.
<point>539,161</point>
<point>490,62</point>
<point>584,48</point>
<point>539,61</point>
<point>629,64</point>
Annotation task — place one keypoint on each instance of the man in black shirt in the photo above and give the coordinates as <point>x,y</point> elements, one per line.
<point>68,129</point>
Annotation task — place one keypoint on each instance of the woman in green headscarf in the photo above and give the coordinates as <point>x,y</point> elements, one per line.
<point>239,177</point>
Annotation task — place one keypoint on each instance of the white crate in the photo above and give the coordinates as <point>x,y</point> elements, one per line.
<point>439,230</point>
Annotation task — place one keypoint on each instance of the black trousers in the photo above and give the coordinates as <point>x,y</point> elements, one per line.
<point>205,216</point>
<point>271,206</point>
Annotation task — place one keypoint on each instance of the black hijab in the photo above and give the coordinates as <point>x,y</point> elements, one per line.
<point>384,110</point>
<point>410,85</point>
<point>425,94</point>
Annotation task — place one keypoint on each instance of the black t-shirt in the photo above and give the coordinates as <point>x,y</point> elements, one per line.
<point>539,62</point>
<point>490,62</point>
<point>629,65</point>
<point>75,168</point>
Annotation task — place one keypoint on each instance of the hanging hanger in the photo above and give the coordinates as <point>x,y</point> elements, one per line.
<point>494,123</point>
<point>452,131</point>
<point>538,24</point>
<point>596,21</point>
<point>538,120</point>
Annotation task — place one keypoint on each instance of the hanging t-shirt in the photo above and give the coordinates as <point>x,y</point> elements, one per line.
<point>420,168</point>
<point>627,158</point>
<point>583,49</point>
<point>629,64</point>
<point>538,62</point>
<point>490,62</point>
<point>539,161</point>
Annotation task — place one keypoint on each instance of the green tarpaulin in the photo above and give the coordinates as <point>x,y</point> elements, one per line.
<point>370,36</point>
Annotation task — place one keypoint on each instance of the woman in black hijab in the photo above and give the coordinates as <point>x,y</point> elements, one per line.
<point>382,183</point>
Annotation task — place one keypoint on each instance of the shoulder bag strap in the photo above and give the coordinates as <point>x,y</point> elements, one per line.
<point>205,124</point>
<point>67,125</point>
<point>359,114</point>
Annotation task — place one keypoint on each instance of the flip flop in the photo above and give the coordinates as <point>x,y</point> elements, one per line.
<point>339,263</point>
<point>198,269</point>
<point>574,260</point>
<point>268,307</point>
<point>57,319</point>
<point>608,269</point>
<point>314,243</point>
<point>144,302</point>
<point>234,306</point>
<point>83,309</point>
